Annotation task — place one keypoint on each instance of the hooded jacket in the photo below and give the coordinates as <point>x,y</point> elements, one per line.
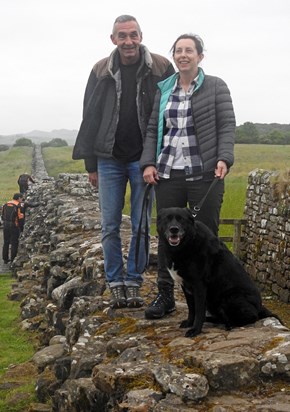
<point>213,118</point>
<point>96,136</point>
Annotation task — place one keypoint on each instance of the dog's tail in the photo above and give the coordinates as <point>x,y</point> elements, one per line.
<point>266,313</point>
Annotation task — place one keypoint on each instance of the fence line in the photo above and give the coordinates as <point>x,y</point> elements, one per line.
<point>237,237</point>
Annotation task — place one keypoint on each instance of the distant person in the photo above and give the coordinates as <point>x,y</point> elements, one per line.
<point>117,105</point>
<point>23,182</point>
<point>191,132</point>
<point>11,216</point>
<point>24,205</point>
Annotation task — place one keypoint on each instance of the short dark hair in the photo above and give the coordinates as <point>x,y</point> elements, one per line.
<point>194,37</point>
<point>17,196</point>
<point>122,19</point>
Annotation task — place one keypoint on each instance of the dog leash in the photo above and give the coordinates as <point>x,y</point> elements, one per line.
<point>145,204</point>
<point>197,207</point>
<point>146,199</point>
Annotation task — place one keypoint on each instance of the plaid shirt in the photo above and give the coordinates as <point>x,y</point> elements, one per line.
<point>180,149</point>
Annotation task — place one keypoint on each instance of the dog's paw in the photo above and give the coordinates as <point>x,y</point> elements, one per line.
<point>186,324</point>
<point>192,332</point>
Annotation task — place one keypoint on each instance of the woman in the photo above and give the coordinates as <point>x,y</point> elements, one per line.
<point>190,133</point>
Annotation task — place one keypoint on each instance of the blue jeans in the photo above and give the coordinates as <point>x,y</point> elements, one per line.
<point>113,176</point>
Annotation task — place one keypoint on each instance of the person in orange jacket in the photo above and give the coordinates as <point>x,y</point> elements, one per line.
<point>11,216</point>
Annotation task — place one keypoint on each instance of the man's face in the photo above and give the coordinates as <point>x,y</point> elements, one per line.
<point>127,38</point>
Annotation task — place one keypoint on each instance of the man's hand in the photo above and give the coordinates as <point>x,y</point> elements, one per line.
<point>93,179</point>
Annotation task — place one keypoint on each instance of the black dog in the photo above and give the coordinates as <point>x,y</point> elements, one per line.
<point>210,275</point>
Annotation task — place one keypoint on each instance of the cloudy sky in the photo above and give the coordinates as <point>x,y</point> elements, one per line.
<point>48,48</point>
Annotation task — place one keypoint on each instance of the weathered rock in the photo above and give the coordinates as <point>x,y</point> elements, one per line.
<point>48,355</point>
<point>188,386</point>
<point>80,395</point>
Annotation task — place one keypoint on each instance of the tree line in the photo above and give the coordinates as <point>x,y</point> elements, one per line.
<point>24,141</point>
<point>260,133</point>
<point>247,133</point>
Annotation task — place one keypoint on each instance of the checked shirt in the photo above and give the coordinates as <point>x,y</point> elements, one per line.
<point>180,149</point>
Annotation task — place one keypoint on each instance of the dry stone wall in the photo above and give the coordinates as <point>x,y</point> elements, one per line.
<point>266,250</point>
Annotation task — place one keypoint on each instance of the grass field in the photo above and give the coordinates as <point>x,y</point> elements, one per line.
<point>13,163</point>
<point>17,382</point>
<point>59,159</point>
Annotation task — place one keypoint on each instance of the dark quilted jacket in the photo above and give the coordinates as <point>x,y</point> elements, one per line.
<point>214,121</point>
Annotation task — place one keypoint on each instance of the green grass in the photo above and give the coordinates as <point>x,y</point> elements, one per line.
<point>59,160</point>
<point>17,377</point>
<point>13,162</point>
<point>247,159</point>
<point>269,157</point>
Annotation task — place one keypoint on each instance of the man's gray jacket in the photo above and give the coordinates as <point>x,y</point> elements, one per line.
<point>96,136</point>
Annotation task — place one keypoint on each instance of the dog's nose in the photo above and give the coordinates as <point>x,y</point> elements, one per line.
<point>174,230</point>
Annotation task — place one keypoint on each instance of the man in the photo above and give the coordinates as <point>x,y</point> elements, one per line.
<point>23,182</point>
<point>117,105</point>
<point>12,217</point>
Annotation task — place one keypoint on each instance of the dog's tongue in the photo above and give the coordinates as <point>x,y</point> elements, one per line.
<point>174,240</point>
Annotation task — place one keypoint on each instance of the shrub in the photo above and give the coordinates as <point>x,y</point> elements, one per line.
<point>23,141</point>
<point>57,142</point>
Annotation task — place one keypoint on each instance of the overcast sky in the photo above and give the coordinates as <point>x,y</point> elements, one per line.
<point>48,48</point>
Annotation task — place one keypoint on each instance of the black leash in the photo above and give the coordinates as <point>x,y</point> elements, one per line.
<point>145,204</point>
<point>197,207</point>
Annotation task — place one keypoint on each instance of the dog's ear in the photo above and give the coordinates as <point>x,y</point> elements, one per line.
<point>161,211</point>
<point>160,214</point>
<point>159,217</point>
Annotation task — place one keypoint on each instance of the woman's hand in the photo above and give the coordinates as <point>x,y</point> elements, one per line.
<point>221,169</point>
<point>150,175</point>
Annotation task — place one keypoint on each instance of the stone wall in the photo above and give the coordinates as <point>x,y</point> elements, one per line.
<point>91,358</point>
<point>266,251</point>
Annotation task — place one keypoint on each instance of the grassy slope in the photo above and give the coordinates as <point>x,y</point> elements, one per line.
<point>59,159</point>
<point>13,163</point>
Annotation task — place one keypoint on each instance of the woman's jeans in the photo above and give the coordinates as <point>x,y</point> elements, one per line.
<point>113,176</point>
<point>177,192</point>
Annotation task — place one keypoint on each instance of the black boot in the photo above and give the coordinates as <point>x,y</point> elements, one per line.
<point>163,303</point>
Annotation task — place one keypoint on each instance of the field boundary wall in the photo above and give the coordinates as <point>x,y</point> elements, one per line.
<point>266,249</point>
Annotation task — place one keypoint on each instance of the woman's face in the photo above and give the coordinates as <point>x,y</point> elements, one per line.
<point>186,56</point>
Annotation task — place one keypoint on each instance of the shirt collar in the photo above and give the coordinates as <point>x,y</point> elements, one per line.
<point>177,86</point>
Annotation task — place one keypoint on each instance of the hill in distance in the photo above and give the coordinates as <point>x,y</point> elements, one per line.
<point>38,136</point>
